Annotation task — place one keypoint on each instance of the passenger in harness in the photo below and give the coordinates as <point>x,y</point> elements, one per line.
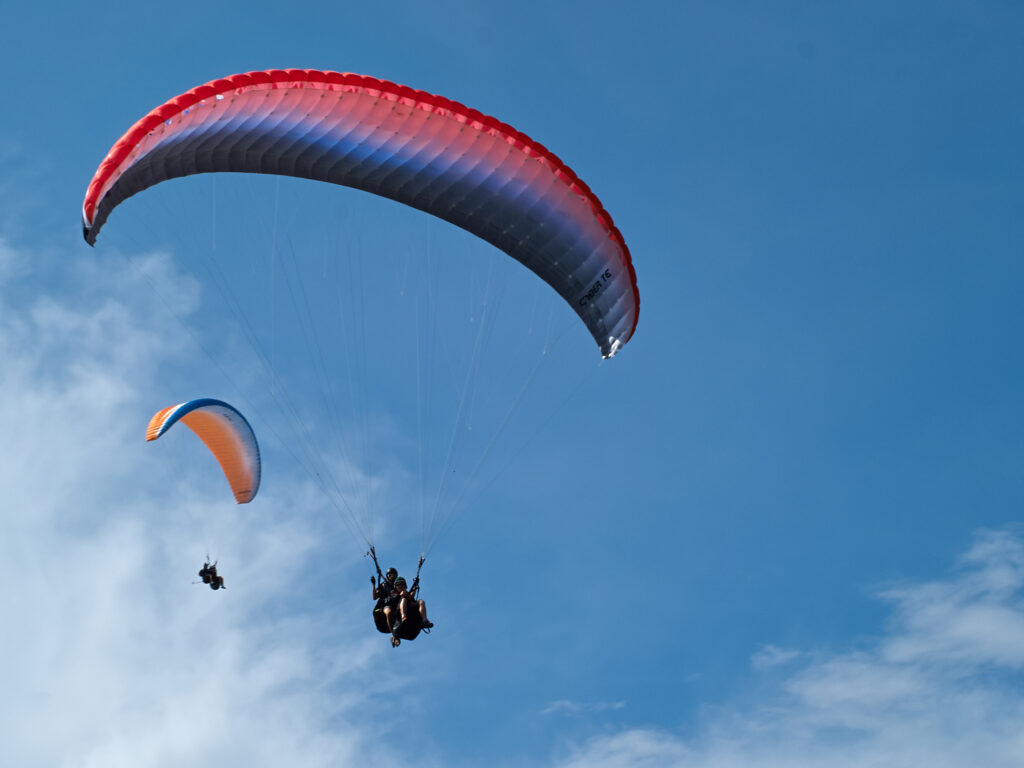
<point>408,615</point>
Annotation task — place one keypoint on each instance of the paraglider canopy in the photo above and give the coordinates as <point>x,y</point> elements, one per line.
<point>420,149</point>
<point>225,432</point>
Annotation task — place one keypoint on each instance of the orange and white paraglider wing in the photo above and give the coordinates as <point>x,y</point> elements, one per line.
<point>225,432</point>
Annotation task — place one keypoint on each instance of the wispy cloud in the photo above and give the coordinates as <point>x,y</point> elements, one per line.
<point>772,656</point>
<point>941,687</point>
<point>111,656</point>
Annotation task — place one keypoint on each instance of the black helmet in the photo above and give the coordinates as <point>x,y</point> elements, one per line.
<point>391,574</point>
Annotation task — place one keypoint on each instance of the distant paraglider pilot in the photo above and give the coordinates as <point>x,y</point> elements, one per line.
<point>208,573</point>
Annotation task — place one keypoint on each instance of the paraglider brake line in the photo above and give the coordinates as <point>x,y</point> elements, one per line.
<point>416,581</point>
<point>373,553</point>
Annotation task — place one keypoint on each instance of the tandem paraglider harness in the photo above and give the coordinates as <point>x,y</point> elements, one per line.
<point>208,573</point>
<point>413,624</point>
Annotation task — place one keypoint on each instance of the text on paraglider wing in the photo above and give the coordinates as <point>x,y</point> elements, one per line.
<point>595,288</point>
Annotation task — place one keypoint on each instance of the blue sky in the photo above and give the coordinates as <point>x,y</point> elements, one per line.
<point>780,528</point>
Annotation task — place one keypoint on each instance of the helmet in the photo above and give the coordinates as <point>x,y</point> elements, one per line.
<point>400,580</point>
<point>391,574</point>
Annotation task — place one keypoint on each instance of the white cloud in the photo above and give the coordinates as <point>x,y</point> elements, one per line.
<point>976,620</point>
<point>772,656</point>
<point>941,688</point>
<point>112,657</point>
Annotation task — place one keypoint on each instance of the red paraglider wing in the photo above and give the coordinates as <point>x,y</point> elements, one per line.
<point>421,150</point>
